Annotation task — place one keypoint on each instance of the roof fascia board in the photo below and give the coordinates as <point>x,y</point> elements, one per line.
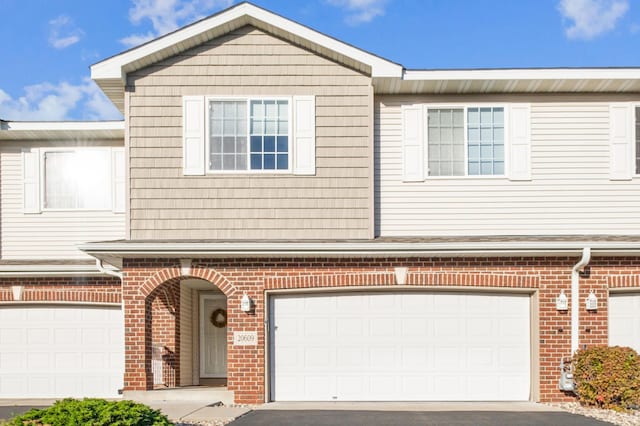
<point>356,249</point>
<point>525,74</point>
<point>64,125</point>
<point>114,67</point>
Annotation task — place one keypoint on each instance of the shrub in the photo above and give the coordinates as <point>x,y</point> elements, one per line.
<point>608,377</point>
<point>94,412</point>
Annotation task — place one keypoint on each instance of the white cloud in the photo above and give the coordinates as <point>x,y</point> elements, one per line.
<point>167,15</point>
<point>56,102</point>
<point>361,11</point>
<point>591,18</point>
<point>62,32</point>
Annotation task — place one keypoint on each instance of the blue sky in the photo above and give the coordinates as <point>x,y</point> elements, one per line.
<point>50,44</point>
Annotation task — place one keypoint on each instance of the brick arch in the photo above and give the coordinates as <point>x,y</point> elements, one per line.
<point>174,274</point>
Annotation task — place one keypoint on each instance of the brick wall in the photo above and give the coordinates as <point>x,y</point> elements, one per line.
<point>63,289</point>
<point>164,304</point>
<point>246,373</point>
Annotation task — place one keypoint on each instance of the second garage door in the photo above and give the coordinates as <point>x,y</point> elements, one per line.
<point>56,351</point>
<point>400,347</point>
<point>624,320</point>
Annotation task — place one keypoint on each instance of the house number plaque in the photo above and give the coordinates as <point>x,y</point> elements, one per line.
<point>245,338</point>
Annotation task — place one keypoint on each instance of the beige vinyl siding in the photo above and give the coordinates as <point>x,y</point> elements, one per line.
<point>49,234</point>
<point>335,203</point>
<point>570,191</point>
<point>186,336</point>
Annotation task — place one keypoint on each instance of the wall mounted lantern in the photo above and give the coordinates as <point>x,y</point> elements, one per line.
<point>245,303</point>
<point>591,302</point>
<point>562,302</point>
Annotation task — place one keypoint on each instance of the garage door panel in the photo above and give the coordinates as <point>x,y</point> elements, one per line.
<point>60,351</point>
<point>390,346</point>
<point>624,320</point>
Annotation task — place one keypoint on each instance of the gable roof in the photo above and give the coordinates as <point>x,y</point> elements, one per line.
<point>387,77</point>
<point>110,74</point>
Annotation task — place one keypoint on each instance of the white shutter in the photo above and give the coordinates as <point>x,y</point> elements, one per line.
<point>31,180</point>
<point>304,135</point>
<point>412,144</point>
<point>193,116</point>
<point>519,142</point>
<point>621,142</point>
<point>118,173</point>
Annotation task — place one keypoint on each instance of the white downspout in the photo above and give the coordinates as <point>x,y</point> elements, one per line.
<point>104,270</point>
<point>120,275</point>
<point>575,298</point>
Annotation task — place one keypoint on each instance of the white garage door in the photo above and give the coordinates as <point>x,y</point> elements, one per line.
<point>60,350</point>
<point>400,347</point>
<point>624,320</point>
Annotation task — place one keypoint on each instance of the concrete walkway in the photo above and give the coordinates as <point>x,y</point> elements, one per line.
<point>197,412</point>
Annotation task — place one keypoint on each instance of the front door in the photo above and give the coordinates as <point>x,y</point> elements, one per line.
<point>213,336</point>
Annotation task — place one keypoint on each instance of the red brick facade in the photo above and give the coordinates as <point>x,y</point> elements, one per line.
<point>545,277</point>
<point>151,293</point>
<point>63,289</point>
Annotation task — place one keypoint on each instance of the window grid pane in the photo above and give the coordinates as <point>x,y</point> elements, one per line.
<point>269,135</point>
<point>228,135</point>
<point>77,180</point>
<point>485,141</point>
<point>446,142</point>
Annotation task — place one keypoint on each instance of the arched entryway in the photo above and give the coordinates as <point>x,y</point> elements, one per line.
<point>176,330</point>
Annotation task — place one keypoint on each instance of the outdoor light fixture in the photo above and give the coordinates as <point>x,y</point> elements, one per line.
<point>245,303</point>
<point>591,302</point>
<point>17,290</point>
<point>401,275</point>
<point>562,302</point>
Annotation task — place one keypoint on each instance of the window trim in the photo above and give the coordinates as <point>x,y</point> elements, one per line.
<point>634,135</point>
<point>109,154</point>
<point>465,107</point>
<point>248,99</point>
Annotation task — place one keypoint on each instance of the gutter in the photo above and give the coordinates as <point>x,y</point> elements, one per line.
<point>354,249</point>
<point>103,270</point>
<point>48,270</point>
<point>575,298</point>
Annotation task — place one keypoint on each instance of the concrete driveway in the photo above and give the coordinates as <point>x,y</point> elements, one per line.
<point>411,418</point>
<point>411,414</point>
<point>9,411</point>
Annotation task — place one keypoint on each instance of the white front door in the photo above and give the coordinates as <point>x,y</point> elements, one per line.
<point>422,346</point>
<point>56,351</point>
<point>624,320</point>
<point>213,336</point>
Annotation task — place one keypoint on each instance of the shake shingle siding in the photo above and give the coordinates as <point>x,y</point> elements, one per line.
<point>335,203</point>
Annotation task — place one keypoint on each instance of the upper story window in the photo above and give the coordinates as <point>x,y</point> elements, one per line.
<point>77,179</point>
<point>249,135</point>
<point>465,141</point>
<point>73,178</point>
<point>450,141</point>
<point>262,134</point>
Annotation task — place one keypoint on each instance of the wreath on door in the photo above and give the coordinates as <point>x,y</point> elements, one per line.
<point>219,318</point>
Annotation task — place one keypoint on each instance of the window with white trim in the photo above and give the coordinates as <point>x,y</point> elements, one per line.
<point>466,141</point>
<point>76,179</point>
<point>249,135</point>
<point>73,178</point>
<point>262,134</point>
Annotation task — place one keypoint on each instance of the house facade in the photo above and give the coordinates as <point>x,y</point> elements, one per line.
<point>291,218</point>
